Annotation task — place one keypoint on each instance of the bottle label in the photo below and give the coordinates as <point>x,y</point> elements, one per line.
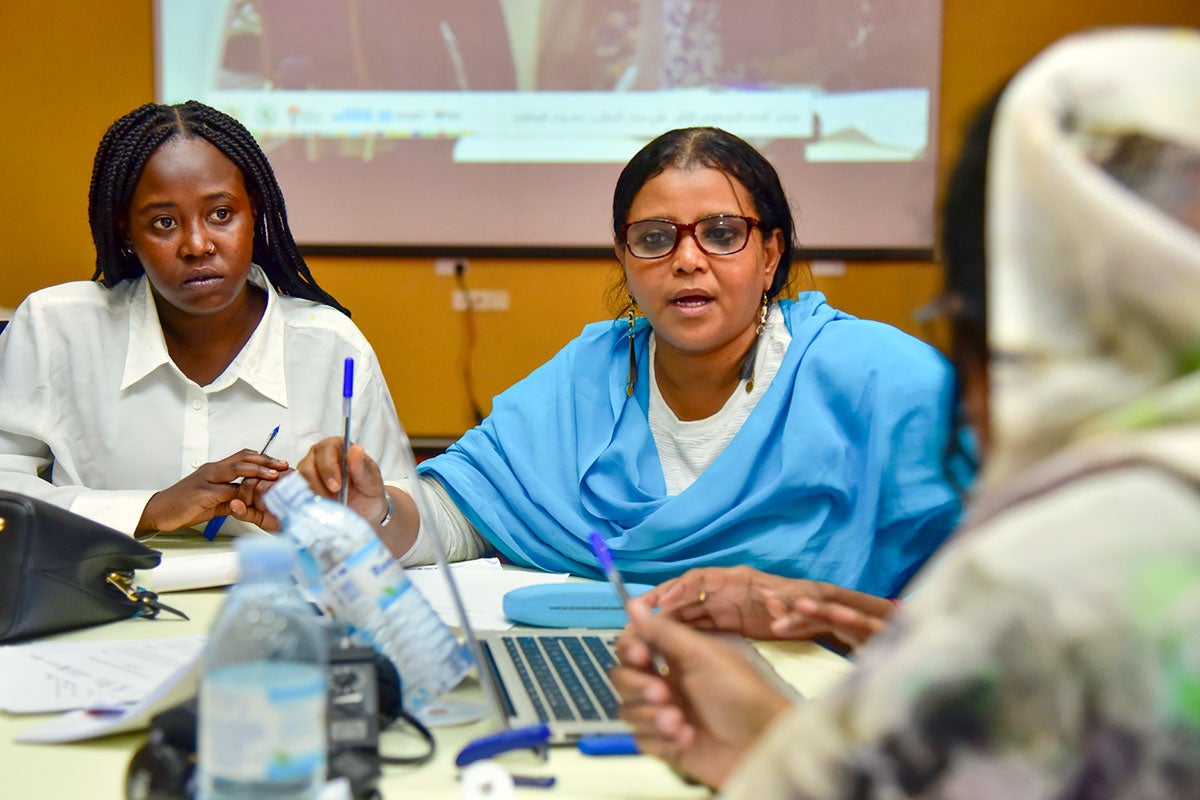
<point>370,580</point>
<point>262,721</point>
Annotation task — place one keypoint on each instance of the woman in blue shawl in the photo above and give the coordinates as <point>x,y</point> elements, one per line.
<point>712,424</point>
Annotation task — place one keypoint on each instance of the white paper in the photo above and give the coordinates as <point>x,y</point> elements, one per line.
<point>482,583</point>
<point>177,572</point>
<point>43,677</point>
<point>76,726</point>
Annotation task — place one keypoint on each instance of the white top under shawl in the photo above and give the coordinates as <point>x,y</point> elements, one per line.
<point>687,448</point>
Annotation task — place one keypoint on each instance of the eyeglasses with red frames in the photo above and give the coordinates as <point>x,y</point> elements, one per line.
<point>718,235</point>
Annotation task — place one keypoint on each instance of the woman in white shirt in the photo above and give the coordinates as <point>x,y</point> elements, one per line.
<point>140,398</point>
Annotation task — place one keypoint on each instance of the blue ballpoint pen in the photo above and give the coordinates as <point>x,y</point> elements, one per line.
<point>214,524</point>
<point>609,568</point>
<point>347,394</point>
<point>608,744</point>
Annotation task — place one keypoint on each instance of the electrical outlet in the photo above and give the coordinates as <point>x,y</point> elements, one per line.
<point>447,266</point>
<point>481,300</point>
<point>827,269</point>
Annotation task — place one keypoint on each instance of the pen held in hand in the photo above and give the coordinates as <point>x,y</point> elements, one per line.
<point>347,395</point>
<point>609,568</point>
<point>214,524</point>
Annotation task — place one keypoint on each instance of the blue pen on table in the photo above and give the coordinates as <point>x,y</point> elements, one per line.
<point>608,744</point>
<point>609,568</point>
<point>214,524</point>
<point>347,394</point>
<point>531,781</point>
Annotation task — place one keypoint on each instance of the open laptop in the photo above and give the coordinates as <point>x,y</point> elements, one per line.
<point>557,676</point>
<point>560,677</point>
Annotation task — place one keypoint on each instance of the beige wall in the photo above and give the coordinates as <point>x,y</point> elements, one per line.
<point>69,70</point>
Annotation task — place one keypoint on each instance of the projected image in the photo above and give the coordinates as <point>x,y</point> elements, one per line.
<point>428,113</point>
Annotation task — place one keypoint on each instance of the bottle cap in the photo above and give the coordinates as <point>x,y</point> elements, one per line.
<point>287,492</point>
<point>264,557</point>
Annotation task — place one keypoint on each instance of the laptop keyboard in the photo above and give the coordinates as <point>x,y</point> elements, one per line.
<point>569,672</point>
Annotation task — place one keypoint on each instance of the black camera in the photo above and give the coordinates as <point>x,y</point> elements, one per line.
<point>364,697</point>
<point>354,709</point>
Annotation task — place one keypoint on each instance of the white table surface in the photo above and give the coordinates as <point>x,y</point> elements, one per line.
<point>96,769</point>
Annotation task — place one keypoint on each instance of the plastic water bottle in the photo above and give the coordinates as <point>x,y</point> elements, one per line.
<point>263,690</point>
<point>366,588</point>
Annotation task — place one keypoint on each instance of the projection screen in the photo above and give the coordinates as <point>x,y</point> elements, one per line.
<point>501,125</point>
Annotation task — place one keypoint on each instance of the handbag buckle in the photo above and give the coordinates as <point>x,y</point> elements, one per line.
<point>147,601</point>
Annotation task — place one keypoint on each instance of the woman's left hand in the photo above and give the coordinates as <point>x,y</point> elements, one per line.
<point>728,599</point>
<point>809,617</point>
<point>211,491</point>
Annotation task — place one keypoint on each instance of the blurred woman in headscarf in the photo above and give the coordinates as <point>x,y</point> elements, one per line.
<point>1052,652</point>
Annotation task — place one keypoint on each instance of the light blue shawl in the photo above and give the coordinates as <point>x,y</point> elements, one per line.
<point>836,475</point>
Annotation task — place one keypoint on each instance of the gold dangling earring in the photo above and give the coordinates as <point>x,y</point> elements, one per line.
<point>632,356</point>
<point>747,373</point>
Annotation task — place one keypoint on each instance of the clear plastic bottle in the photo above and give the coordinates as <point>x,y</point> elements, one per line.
<point>366,588</point>
<point>264,686</point>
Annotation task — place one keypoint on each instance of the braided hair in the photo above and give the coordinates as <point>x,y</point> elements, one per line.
<point>121,157</point>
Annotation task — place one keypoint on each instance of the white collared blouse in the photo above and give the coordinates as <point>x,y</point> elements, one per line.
<point>90,398</point>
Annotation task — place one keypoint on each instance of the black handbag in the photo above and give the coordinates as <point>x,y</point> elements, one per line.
<point>60,571</point>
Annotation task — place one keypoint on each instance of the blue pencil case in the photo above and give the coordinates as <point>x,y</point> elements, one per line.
<point>569,605</point>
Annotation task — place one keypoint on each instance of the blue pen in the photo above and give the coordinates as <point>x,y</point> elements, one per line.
<point>347,394</point>
<point>609,744</point>
<point>214,524</point>
<point>532,781</point>
<point>614,577</point>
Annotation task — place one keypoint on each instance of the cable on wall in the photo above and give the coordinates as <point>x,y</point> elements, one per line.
<point>468,353</point>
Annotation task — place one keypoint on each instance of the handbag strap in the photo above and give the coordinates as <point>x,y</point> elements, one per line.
<point>147,601</point>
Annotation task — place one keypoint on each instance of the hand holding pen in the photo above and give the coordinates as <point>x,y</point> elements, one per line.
<point>347,396</point>
<point>214,524</point>
<point>609,568</point>
<point>704,715</point>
